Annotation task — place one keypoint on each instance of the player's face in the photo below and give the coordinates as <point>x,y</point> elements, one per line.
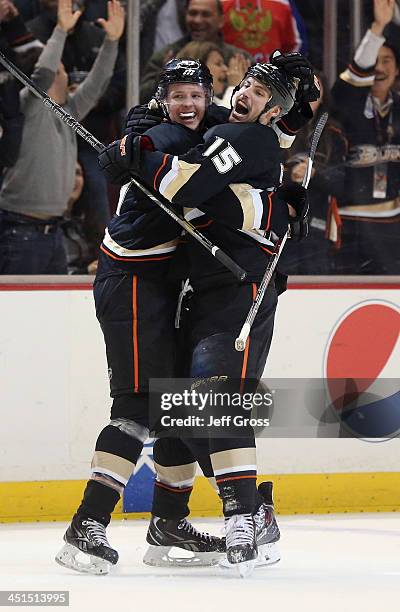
<point>186,103</point>
<point>249,101</point>
<point>386,71</point>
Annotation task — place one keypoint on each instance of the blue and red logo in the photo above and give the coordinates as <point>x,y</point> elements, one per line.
<point>362,369</point>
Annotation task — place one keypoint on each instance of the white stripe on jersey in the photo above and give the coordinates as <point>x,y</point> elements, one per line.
<point>193,213</point>
<point>236,468</point>
<point>258,236</point>
<point>122,195</point>
<point>102,470</point>
<point>170,176</point>
<point>159,249</point>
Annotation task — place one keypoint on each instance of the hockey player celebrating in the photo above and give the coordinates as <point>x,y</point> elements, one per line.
<point>230,155</point>
<point>135,305</point>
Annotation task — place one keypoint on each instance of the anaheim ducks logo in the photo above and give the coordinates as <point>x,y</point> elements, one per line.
<point>252,24</point>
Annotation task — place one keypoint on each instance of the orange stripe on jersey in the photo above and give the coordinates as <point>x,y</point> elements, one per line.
<point>270,211</point>
<point>265,249</point>
<point>164,161</point>
<point>130,259</point>
<point>134,334</point>
<point>287,127</point>
<point>218,480</point>
<point>174,490</point>
<point>246,350</point>
<point>205,224</point>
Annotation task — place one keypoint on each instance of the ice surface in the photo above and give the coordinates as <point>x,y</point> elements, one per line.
<point>332,563</point>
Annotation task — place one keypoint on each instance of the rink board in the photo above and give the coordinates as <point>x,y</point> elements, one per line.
<point>54,393</point>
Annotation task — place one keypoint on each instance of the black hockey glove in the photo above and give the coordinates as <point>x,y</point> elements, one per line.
<point>296,195</point>
<point>140,119</point>
<point>121,158</point>
<point>297,66</point>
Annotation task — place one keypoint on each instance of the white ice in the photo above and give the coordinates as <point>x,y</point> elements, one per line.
<point>341,563</point>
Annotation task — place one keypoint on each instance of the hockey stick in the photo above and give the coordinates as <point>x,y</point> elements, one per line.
<point>222,257</point>
<point>240,342</point>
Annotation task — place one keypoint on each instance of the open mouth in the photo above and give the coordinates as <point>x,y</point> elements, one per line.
<point>187,116</point>
<point>241,108</point>
<point>379,76</point>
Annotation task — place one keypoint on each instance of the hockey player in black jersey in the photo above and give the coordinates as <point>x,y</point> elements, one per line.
<point>245,154</point>
<point>135,305</point>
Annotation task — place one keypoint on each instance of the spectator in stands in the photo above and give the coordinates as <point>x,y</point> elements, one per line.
<point>204,21</point>
<point>314,255</point>
<point>36,190</point>
<point>162,22</point>
<point>81,254</point>
<point>224,78</point>
<point>368,108</point>
<point>80,51</point>
<point>260,27</point>
<point>14,38</point>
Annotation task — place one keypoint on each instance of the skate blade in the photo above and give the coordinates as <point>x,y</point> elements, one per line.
<point>94,565</point>
<point>268,554</point>
<point>243,569</point>
<point>172,556</point>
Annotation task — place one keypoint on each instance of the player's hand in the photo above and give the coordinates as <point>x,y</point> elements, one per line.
<point>296,198</point>
<point>299,229</point>
<point>121,158</point>
<point>115,22</point>
<point>297,66</point>
<point>295,195</point>
<point>140,119</point>
<point>66,17</point>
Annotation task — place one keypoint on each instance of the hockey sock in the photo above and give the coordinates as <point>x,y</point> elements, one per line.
<point>236,473</point>
<point>113,462</point>
<point>176,469</point>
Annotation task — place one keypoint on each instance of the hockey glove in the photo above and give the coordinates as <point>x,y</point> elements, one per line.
<point>121,158</point>
<point>296,195</point>
<point>141,118</point>
<point>297,66</point>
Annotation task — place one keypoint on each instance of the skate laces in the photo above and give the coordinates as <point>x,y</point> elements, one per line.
<point>239,530</point>
<point>259,517</point>
<point>191,530</point>
<point>96,532</point>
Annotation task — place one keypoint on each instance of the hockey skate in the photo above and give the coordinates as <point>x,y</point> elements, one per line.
<point>86,537</point>
<point>176,543</point>
<point>241,544</point>
<point>267,530</point>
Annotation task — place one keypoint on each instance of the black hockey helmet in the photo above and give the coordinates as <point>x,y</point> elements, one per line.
<point>184,71</point>
<point>283,89</point>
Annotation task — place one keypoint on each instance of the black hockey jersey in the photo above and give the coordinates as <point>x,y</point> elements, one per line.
<point>373,140</point>
<point>140,237</point>
<point>244,160</point>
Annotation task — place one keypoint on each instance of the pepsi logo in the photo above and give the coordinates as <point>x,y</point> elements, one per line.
<point>362,369</point>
